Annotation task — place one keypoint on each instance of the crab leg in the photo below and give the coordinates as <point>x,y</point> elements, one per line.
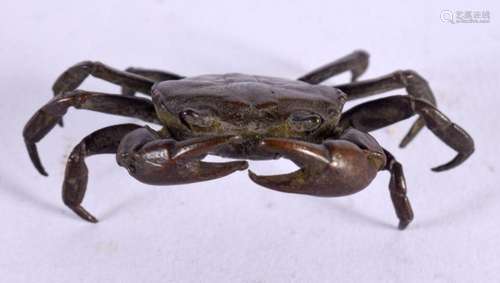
<point>415,85</point>
<point>397,188</point>
<point>158,160</point>
<point>46,118</point>
<point>356,63</point>
<point>102,141</point>
<point>74,76</point>
<point>147,157</point>
<point>383,112</point>
<point>155,75</point>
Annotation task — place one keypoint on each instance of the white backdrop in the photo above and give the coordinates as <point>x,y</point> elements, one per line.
<point>231,230</point>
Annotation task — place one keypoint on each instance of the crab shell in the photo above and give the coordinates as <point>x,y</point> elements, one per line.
<point>250,107</point>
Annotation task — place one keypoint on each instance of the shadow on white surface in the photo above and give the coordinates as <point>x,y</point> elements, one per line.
<point>15,192</point>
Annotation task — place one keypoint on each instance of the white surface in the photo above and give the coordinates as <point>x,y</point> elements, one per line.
<point>231,230</point>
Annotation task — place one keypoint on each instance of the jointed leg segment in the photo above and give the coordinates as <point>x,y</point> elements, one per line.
<point>46,118</point>
<point>147,156</point>
<point>102,141</point>
<point>397,188</point>
<point>383,112</point>
<point>415,85</point>
<point>75,75</point>
<point>356,63</point>
<point>155,75</point>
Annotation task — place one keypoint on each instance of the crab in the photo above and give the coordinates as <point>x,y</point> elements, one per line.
<point>247,117</point>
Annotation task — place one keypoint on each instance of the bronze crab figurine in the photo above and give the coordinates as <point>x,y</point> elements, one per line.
<point>247,117</point>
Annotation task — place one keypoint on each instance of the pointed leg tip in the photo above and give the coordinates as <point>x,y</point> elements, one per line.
<point>403,224</point>
<point>412,133</point>
<point>403,143</point>
<point>439,169</point>
<point>35,158</point>
<point>89,218</point>
<point>93,220</point>
<point>39,167</point>
<point>84,214</point>
<point>406,140</point>
<point>457,160</point>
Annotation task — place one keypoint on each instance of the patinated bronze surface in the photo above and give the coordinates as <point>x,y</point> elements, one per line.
<point>247,117</point>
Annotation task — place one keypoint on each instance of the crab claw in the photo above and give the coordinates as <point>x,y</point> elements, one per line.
<point>168,162</point>
<point>334,168</point>
<point>188,154</point>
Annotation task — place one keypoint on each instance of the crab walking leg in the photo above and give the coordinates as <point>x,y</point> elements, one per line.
<point>155,75</point>
<point>356,63</point>
<point>102,141</point>
<point>397,188</point>
<point>415,85</point>
<point>383,112</point>
<point>75,75</point>
<point>134,147</point>
<point>46,118</point>
<point>397,184</point>
<point>157,160</point>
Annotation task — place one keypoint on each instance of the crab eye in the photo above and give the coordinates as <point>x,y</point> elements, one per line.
<point>304,121</point>
<point>191,118</point>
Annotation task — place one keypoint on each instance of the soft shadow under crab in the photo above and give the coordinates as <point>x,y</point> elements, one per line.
<point>247,117</point>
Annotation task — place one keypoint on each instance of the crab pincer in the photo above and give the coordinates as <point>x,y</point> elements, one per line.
<point>333,168</point>
<point>167,162</point>
<point>147,158</point>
